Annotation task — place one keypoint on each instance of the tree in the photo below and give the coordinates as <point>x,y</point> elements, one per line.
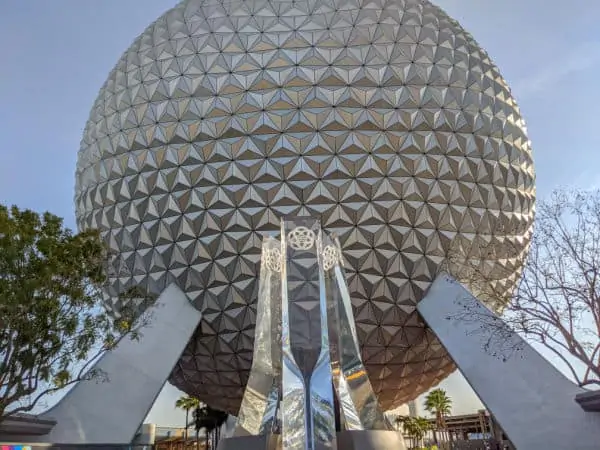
<point>415,428</point>
<point>220,418</point>
<point>438,402</point>
<point>211,420</point>
<point>399,421</point>
<point>187,403</point>
<point>52,324</point>
<point>557,300</point>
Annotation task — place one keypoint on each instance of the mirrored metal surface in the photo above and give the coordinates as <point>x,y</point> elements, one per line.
<point>304,310</point>
<point>259,405</point>
<point>349,416</point>
<point>294,415</point>
<point>358,399</point>
<point>321,380</point>
<point>307,407</point>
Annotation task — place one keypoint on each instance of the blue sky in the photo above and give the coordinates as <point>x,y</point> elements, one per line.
<point>55,55</point>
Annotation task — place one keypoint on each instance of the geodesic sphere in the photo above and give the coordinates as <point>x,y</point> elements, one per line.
<point>384,118</point>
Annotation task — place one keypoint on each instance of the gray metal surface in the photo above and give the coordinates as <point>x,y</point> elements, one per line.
<point>531,400</point>
<point>384,118</point>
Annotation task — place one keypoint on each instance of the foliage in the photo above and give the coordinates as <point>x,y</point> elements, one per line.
<point>414,427</point>
<point>211,420</point>
<point>557,301</point>
<point>186,403</point>
<point>52,325</point>
<point>439,403</point>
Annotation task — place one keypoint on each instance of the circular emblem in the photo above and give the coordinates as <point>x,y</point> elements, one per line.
<point>330,257</point>
<point>273,259</point>
<point>301,238</point>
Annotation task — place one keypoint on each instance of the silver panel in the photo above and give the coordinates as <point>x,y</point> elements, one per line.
<point>357,400</point>
<point>258,410</point>
<point>307,410</point>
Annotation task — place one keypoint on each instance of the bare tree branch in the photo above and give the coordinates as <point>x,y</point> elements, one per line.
<point>557,300</point>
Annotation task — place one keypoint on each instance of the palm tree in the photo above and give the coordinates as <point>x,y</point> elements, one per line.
<point>439,403</point>
<point>422,427</point>
<point>407,424</point>
<point>415,428</point>
<point>399,420</point>
<point>187,403</point>
<point>219,418</point>
<point>211,420</point>
<point>202,420</point>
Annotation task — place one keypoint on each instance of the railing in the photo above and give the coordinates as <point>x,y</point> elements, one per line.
<point>477,444</point>
<point>170,431</point>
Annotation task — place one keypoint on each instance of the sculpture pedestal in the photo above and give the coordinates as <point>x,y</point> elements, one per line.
<point>260,442</point>
<point>370,440</point>
<point>347,440</point>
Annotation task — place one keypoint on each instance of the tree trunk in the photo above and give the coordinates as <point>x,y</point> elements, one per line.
<point>185,432</point>
<point>440,424</point>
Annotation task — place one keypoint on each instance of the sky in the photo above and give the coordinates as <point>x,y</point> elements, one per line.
<point>55,55</point>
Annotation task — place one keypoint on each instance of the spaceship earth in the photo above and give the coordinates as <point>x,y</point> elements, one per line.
<point>383,118</point>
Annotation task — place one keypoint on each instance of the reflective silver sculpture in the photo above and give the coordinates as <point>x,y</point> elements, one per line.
<point>303,293</point>
<point>358,405</point>
<point>307,411</point>
<point>258,411</point>
<point>383,118</point>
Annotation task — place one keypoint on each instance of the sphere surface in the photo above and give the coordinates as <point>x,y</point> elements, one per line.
<point>382,117</point>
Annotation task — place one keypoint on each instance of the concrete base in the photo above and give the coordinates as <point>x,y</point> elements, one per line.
<point>531,400</point>
<point>346,440</point>
<point>263,442</point>
<point>589,401</point>
<point>25,425</point>
<point>111,412</point>
<point>370,440</point>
